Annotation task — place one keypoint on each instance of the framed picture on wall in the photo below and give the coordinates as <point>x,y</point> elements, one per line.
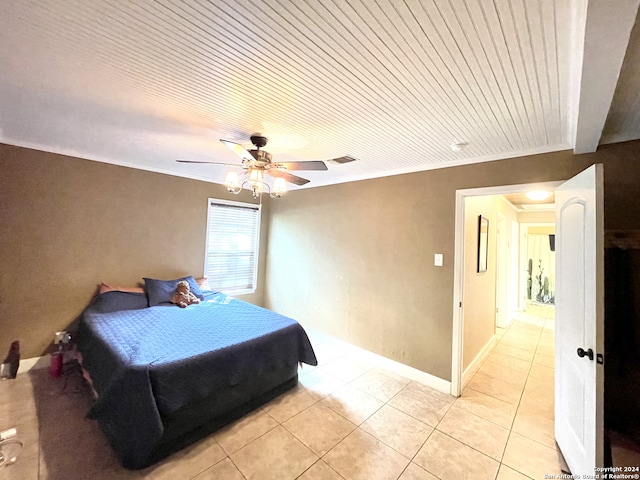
<point>483,243</point>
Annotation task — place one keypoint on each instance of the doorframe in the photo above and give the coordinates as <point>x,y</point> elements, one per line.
<point>457,347</point>
<point>514,273</point>
<point>502,257</point>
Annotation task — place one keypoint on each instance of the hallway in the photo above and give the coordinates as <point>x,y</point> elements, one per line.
<point>514,388</point>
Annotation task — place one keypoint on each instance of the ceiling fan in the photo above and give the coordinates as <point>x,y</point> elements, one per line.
<point>256,163</point>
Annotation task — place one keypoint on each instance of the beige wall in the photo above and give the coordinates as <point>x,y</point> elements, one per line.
<point>356,260</point>
<point>541,230</point>
<point>69,224</point>
<point>537,217</point>
<point>479,287</point>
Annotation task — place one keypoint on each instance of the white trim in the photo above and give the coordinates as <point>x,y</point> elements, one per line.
<point>502,259</point>
<point>600,43</point>
<point>540,207</point>
<point>479,360</point>
<point>458,305</point>
<point>435,166</point>
<point>457,346</point>
<point>509,205</point>
<point>406,371</point>
<point>33,363</point>
<point>380,361</point>
<point>70,152</point>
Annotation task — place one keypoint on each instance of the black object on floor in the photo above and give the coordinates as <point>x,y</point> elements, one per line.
<point>12,361</point>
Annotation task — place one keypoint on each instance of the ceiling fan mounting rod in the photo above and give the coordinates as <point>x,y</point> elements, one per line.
<point>259,140</point>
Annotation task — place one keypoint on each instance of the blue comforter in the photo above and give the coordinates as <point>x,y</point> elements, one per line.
<point>147,363</point>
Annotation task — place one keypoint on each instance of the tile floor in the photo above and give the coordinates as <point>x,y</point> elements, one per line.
<point>347,419</point>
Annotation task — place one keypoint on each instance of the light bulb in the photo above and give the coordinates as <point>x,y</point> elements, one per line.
<point>256,180</point>
<point>232,181</point>
<point>538,195</point>
<point>279,186</point>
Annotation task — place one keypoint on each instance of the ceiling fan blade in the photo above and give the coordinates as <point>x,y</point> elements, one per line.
<point>288,177</point>
<point>238,149</point>
<point>213,163</point>
<point>311,165</point>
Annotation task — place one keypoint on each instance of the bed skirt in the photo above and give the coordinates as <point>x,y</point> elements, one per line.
<point>198,420</point>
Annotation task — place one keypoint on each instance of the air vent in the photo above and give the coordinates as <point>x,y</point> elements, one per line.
<point>341,160</point>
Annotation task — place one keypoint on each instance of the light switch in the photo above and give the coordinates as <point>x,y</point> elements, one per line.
<point>437,259</point>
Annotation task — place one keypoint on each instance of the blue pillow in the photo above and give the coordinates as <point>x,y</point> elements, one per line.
<point>115,301</point>
<point>160,291</point>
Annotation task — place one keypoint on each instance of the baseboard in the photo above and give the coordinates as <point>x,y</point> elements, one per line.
<point>33,363</point>
<point>437,383</point>
<point>480,357</point>
<point>507,322</point>
<point>406,371</point>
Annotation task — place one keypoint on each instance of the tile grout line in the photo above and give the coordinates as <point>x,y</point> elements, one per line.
<point>518,408</point>
<point>427,439</point>
<point>318,400</point>
<point>236,466</point>
<point>385,403</point>
<point>510,429</point>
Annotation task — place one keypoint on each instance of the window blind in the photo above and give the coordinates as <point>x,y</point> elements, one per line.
<point>233,237</point>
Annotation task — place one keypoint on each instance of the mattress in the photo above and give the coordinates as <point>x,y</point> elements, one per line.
<point>146,364</point>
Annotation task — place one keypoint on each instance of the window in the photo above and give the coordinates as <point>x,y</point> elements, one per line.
<point>233,236</point>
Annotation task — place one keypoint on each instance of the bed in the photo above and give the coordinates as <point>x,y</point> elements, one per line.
<point>165,376</point>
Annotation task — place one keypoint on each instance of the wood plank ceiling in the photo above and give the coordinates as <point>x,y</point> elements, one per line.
<point>391,83</point>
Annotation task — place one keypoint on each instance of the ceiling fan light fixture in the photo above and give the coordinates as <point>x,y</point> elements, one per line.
<point>256,164</point>
<point>256,180</point>
<point>255,183</point>
<point>232,182</point>
<point>279,187</point>
<point>538,195</point>
<point>256,176</point>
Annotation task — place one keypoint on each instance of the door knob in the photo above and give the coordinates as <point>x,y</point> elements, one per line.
<point>585,353</point>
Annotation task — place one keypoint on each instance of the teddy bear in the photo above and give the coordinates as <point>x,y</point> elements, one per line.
<point>183,295</point>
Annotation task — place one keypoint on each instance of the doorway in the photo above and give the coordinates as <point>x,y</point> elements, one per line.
<point>539,263</point>
<point>577,372</point>
<point>463,264</point>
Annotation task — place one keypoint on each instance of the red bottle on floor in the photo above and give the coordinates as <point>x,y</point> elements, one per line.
<point>55,369</point>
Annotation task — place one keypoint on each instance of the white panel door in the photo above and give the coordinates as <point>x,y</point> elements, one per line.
<point>579,378</point>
